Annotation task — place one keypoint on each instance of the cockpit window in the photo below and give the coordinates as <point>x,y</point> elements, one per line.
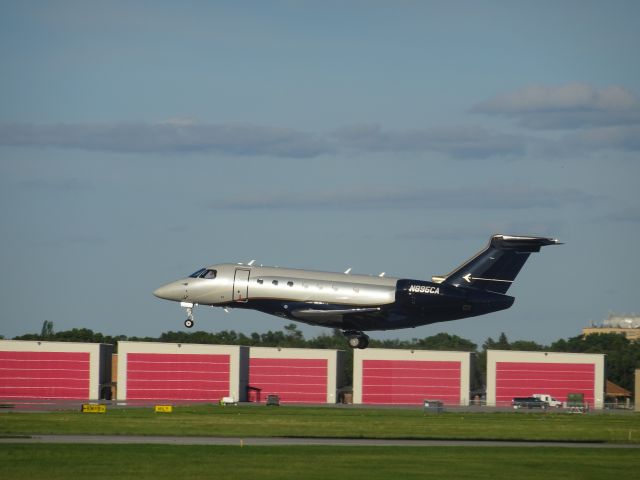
<point>198,273</point>
<point>210,274</point>
<point>204,273</point>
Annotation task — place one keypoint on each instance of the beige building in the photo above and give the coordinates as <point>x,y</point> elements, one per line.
<point>637,400</point>
<point>627,325</point>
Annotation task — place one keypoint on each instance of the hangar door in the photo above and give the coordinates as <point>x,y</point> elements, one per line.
<point>166,376</point>
<point>523,379</point>
<point>50,375</point>
<point>410,382</point>
<point>300,380</point>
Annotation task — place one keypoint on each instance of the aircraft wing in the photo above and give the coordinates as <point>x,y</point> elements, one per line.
<point>332,318</point>
<point>319,315</point>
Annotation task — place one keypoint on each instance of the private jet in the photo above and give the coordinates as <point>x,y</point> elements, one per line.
<point>359,303</point>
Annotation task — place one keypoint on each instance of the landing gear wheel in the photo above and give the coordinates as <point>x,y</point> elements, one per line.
<point>357,340</point>
<point>188,323</point>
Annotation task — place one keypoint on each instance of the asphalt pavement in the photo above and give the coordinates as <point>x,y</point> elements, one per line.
<point>271,441</point>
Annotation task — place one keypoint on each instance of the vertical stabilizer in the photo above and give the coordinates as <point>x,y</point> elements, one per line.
<point>496,267</point>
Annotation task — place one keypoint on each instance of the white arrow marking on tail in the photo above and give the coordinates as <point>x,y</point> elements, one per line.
<point>469,278</point>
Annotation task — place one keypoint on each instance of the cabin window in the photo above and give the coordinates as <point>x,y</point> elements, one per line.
<point>275,282</point>
<point>260,281</point>
<point>290,284</point>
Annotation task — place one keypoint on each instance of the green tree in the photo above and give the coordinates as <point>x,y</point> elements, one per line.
<point>622,355</point>
<point>527,346</point>
<point>47,330</point>
<point>445,341</point>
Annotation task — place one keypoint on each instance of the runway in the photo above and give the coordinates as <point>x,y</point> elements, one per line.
<point>279,441</point>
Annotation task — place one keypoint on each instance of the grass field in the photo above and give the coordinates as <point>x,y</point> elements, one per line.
<point>194,462</point>
<point>260,421</point>
<point>79,461</point>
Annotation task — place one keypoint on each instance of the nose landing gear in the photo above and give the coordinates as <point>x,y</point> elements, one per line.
<point>189,322</point>
<point>356,339</point>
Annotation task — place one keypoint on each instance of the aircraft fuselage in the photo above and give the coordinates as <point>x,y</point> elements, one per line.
<point>336,300</point>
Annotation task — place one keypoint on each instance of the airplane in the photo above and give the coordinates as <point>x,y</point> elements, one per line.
<point>359,303</point>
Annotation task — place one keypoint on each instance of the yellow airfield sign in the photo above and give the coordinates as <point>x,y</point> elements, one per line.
<point>93,408</point>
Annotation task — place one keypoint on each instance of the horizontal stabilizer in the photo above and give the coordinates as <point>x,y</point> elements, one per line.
<point>522,244</point>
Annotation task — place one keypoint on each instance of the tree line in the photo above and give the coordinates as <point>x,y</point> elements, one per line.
<point>622,355</point>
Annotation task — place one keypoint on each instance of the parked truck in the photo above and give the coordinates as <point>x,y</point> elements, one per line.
<point>528,402</point>
<point>552,402</point>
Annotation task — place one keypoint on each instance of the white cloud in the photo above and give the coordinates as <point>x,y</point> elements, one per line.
<point>186,135</point>
<point>175,135</point>
<point>608,138</point>
<point>575,105</point>
<point>512,197</point>
<point>457,142</point>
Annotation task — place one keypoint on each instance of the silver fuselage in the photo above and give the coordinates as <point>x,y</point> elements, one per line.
<point>236,283</point>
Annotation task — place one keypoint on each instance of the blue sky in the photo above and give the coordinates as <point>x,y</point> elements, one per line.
<point>140,141</point>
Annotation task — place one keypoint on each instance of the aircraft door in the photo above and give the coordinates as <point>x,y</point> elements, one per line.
<point>241,285</point>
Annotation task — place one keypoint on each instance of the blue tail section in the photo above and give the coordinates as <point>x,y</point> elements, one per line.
<point>495,268</point>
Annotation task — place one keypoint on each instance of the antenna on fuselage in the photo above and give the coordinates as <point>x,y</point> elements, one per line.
<point>347,271</point>
<point>251,262</point>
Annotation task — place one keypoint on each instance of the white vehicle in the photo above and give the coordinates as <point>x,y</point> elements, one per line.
<point>549,399</point>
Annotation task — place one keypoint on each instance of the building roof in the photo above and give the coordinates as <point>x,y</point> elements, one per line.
<point>613,390</point>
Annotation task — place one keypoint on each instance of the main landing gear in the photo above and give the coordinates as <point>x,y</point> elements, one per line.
<point>189,322</point>
<point>356,339</point>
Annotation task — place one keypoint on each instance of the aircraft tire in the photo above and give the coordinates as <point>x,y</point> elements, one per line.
<point>354,341</point>
<point>360,341</point>
<point>188,323</point>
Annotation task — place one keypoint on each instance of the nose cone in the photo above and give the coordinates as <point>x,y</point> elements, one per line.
<point>171,291</point>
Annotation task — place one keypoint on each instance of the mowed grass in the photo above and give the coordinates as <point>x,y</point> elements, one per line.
<point>60,461</point>
<point>352,422</point>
